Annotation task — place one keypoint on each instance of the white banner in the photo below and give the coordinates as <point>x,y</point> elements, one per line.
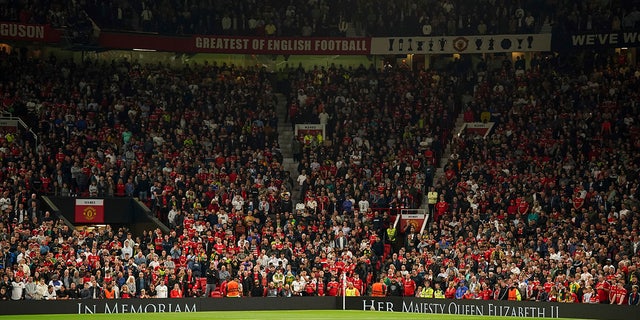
<point>8,123</point>
<point>89,202</point>
<point>461,44</point>
<point>309,129</point>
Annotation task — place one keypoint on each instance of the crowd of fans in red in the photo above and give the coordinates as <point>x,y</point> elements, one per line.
<point>544,208</point>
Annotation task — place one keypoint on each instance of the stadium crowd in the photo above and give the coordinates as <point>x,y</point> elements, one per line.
<point>544,208</point>
<point>370,18</point>
<point>326,18</point>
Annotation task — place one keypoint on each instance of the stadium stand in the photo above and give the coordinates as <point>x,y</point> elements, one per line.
<point>544,208</point>
<point>534,205</point>
<point>364,18</point>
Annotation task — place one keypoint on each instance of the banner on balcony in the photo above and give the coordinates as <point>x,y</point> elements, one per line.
<point>89,211</point>
<point>237,45</point>
<point>28,32</point>
<point>461,44</point>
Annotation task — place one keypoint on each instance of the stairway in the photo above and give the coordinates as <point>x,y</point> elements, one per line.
<point>285,137</point>
<point>444,160</point>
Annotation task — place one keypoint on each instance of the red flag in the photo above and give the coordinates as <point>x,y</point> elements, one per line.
<point>89,211</point>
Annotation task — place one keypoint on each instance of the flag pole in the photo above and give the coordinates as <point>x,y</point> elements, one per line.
<point>344,290</point>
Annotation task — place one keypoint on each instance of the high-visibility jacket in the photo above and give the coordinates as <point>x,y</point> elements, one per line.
<point>432,197</point>
<point>352,292</point>
<point>438,294</point>
<point>426,293</point>
<point>109,294</point>
<point>233,289</point>
<point>391,234</point>
<point>514,294</point>
<point>378,289</point>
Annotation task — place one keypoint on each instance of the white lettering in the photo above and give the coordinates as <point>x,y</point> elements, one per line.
<point>613,38</point>
<point>87,309</point>
<point>541,313</point>
<point>578,40</point>
<point>452,308</point>
<point>408,308</point>
<point>520,313</point>
<point>150,307</point>
<point>602,38</point>
<point>591,39</point>
<point>153,306</point>
<point>107,310</point>
<point>630,37</point>
<point>22,31</point>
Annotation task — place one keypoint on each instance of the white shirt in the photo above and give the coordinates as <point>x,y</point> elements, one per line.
<point>4,203</point>
<point>18,289</point>
<point>302,178</point>
<point>162,291</point>
<point>363,205</point>
<point>223,218</point>
<point>312,204</point>
<point>324,117</point>
<point>49,295</point>
<point>555,256</point>
<point>172,216</point>
<point>41,289</point>
<point>238,203</point>
<point>297,286</point>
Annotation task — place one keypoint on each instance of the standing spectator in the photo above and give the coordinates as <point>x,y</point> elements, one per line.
<point>351,291</point>
<point>31,290</point>
<point>176,292</point>
<point>634,296</point>
<point>212,279</point>
<point>161,290</point>
<point>18,288</point>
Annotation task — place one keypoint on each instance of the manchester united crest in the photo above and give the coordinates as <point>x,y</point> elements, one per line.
<point>89,213</point>
<point>460,44</point>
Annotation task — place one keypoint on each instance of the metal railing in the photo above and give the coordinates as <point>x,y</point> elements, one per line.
<point>8,120</point>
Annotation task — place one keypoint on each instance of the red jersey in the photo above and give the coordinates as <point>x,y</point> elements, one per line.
<point>310,288</point>
<point>441,208</point>
<point>320,289</point>
<point>486,294</point>
<point>332,288</point>
<point>409,287</point>
<point>218,247</point>
<point>358,284</point>
<point>602,288</point>
<point>450,293</point>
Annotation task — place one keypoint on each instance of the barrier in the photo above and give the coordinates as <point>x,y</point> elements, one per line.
<point>184,305</point>
<point>540,310</point>
<point>117,210</point>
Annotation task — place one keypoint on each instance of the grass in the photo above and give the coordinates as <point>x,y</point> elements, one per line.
<point>262,315</point>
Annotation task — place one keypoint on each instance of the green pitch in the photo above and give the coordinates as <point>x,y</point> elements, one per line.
<point>261,315</point>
